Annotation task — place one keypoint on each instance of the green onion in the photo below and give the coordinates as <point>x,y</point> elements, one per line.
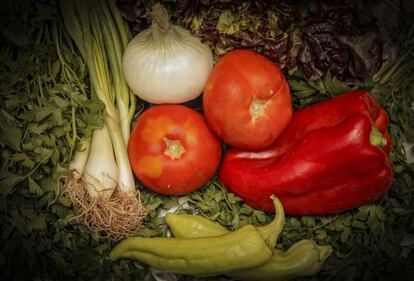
<point>111,204</point>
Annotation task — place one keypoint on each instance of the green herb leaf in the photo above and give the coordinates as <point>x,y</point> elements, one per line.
<point>10,133</point>
<point>7,181</point>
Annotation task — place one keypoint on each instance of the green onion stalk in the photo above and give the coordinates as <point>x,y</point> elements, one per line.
<point>103,187</point>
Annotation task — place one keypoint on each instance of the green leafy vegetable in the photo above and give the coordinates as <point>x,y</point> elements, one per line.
<point>44,94</point>
<point>319,37</point>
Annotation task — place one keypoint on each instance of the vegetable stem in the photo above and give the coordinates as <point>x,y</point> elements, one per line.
<point>376,138</point>
<point>123,30</point>
<point>126,180</point>
<point>125,120</point>
<point>390,71</point>
<point>271,231</point>
<point>113,43</point>
<point>160,17</point>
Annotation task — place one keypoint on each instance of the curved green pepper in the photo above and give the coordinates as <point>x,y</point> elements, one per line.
<point>304,258</point>
<point>191,226</point>
<point>241,249</point>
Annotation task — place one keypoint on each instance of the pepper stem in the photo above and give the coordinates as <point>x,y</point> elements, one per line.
<point>270,233</point>
<point>160,17</point>
<point>376,138</point>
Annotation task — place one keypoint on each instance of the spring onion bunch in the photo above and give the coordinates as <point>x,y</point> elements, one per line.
<point>103,187</point>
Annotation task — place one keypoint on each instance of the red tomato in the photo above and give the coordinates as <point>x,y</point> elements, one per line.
<point>172,150</point>
<point>247,100</point>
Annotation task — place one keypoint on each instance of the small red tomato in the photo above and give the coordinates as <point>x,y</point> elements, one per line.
<point>172,150</point>
<point>247,100</point>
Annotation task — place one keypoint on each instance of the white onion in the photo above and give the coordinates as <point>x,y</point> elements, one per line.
<point>78,163</point>
<point>166,63</point>
<point>101,172</point>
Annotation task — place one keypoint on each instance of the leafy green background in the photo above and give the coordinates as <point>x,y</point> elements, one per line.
<point>46,107</point>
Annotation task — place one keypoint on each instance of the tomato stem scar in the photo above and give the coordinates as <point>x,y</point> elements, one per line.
<point>257,108</point>
<point>174,148</point>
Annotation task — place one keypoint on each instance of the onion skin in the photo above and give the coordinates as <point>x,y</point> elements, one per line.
<point>166,63</point>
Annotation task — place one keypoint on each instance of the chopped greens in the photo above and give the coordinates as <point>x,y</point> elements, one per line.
<point>46,105</point>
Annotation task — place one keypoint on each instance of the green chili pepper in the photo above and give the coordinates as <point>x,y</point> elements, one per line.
<point>304,258</point>
<point>191,226</point>
<point>241,249</point>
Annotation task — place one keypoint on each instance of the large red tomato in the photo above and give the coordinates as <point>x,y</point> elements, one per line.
<point>247,100</point>
<point>172,150</point>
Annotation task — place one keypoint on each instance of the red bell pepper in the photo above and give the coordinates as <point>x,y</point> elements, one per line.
<point>332,156</point>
